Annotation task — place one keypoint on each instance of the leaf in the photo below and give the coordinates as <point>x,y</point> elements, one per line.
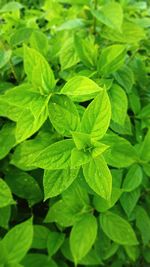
<point>38,260</point>
<point>38,71</point>
<point>82,140</point>
<point>145,147</point>
<point>118,229</point>
<point>133,178</point>
<point>54,242</point>
<point>71,24</point>
<point>20,36</point>
<point>26,151</point>
<point>129,200</point>
<point>106,15</point>
<point>5,214</point>
<point>82,236</point>
<point>39,41</point>
<point>119,104</point>
<point>111,59</point>
<point>5,195</point>
<point>98,177</point>
<point>12,6</point>
<point>55,156</point>
<point>81,88</point>
<point>7,139</point>
<point>40,237</point>
<point>63,114</point>
<point>18,241</point>
<point>125,77</point>
<point>68,56</point>
<point>143,224</point>
<point>24,185</point>
<point>56,181</point>
<point>4,57</point>
<point>96,118</point>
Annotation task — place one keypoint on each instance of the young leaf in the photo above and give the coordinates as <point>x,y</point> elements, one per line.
<point>63,114</point>
<point>5,195</point>
<point>119,104</point>
<point>118,229</point>
<point>56,181</point>
<point>82,236</point>
<point>38,71</point>
<point>111,59</point>
<point>96,118</point>
<point>81,88</point>
<point>18,241</point>
<point>56,156</point>
<point>98,177</point>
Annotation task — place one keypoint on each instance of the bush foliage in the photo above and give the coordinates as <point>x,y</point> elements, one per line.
<point>74,133</point>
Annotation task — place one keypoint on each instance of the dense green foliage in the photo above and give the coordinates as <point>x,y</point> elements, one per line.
<point>74,133</point>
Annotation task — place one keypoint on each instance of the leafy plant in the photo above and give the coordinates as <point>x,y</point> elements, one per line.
<point>74,133</point>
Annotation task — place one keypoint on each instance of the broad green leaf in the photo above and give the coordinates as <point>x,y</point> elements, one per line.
<point>55,156</point>
<point>143,224</point>
<point>129,200</point>
<point>4,57</point>
<point>24,185</point>
<point>5,214</point>
<point>71,24</point>
<point>81,88</point>
<point>82,140</point>
<point>118,229</point>
<point>111,14</point>
<point>7,139</point>
<point>11,6</point>
<point>79,157</point>
<point>56,181</point>
<point>38,260</point>
<point>111,59</point>
<point>40,237</point>
<point>54,242</point>
<point>87,50</point>
<point>82,236</point>
<point>119,104</point>
<point>28,150</point>
<point>98,177</point>
<point>125,77</point>
<point>120,153</point>
<point>145,148</point>
<point>133,178</point>
<point>38,71</point>
<point>20,36</point>
<point>39,41</point>
<point>18,241</point>
<point>63,114</point>
<point>67,55</point>
<point>96,118</point>
<point>5,194</point>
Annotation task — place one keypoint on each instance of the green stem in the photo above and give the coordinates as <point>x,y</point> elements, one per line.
<point>94,22</point>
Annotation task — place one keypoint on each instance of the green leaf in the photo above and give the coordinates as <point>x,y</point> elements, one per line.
<point>87,50</point>
<point>5,195</point>
<point>125,77</point>
<point>54,242</point>
<point>118,229</point>
<point>106,15</point>
<point>82,236</point>
<point>56,181</point>
<point>4,57</point>
<point>98,177</point>
<point>40,237</point>
<point>111,59</point>
<point>82,140</point>
<point>20,36</point>
<point>38,71</point>
<point>5,214</point>
<point>143,224</point>
<point>18,241</point>
<point>81,88</point>
<point>63,114</point>
<point>38,260</point>
<point>55,156</point>
<point>67,55</point>
<point>12,6</point>
<point>119,104</point>
<point>145,148</point>
<point>7,139</point>
<point>39,41</point>
<point>96,118</point>
<point>133,178</point>
<point>24,185</point>
<point>26,152</point>
<point>129,200</point>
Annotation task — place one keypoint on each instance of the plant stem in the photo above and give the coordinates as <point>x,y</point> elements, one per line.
<point>94,22</point>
